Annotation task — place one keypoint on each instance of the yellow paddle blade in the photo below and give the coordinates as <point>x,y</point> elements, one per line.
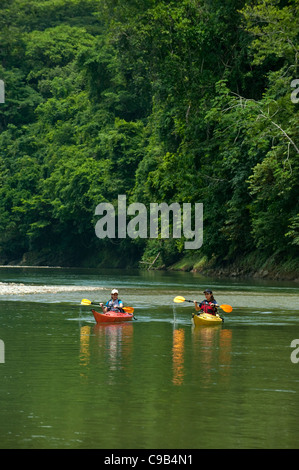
<point>85,302</point>
<point>226,308</point>
<point>128,309</point>
<point>179,299</point>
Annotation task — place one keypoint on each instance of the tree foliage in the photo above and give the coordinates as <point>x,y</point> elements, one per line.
<point>160,100</point>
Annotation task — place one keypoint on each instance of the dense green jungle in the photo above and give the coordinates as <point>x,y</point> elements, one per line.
<point>191,101</point>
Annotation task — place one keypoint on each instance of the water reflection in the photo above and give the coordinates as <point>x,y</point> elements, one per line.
<point>178,356</point>
<point>84,345</point>
<point>113,341</point>
<point>225,352</point>
<point>212,348</point>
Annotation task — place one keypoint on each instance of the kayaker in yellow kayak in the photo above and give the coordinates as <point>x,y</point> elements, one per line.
<point>114,304</point>
<point>208,305</point>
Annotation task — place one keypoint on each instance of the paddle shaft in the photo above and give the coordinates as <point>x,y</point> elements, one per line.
<point>224,307</point>
<point>125,309</point>
<point>89,302</point>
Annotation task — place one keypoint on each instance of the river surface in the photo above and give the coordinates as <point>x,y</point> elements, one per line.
<point>155,382</point>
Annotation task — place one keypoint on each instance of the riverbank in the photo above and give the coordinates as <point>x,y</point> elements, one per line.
<point>254,265</point>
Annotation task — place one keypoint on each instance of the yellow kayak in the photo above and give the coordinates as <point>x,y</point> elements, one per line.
<point>206,319</point>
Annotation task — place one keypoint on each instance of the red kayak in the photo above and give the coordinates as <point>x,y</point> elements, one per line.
<point>111,316</point>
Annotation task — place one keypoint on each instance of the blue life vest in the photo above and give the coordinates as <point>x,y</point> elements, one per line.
<point>114,305</point>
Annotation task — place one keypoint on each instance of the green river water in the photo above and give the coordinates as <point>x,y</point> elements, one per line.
<point>155,382</point>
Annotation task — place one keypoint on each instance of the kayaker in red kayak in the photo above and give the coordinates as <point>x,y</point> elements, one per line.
<point>209,305</point>
<point>114,304</point>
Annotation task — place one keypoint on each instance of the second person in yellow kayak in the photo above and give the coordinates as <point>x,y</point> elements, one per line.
<point>208,305</point>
